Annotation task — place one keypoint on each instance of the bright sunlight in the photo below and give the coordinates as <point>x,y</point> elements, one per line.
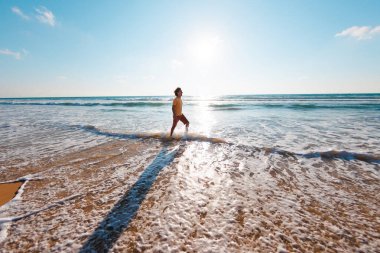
<point>206,48</point>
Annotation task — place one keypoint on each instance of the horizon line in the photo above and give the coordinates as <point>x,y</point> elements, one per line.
<point>247,94</point>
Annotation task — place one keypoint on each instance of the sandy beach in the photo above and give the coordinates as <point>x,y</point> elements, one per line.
<point>104,199</point>
<point>8,191</point>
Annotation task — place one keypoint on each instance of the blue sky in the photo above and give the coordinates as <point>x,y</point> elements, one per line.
<point>121,48</point>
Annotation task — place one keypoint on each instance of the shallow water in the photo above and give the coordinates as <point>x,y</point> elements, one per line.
<point>254,173</point>
<point>296,123</point>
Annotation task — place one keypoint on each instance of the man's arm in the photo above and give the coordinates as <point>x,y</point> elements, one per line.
<point>174,104</point>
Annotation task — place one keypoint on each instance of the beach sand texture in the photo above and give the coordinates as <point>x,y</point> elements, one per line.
<point>192,196</point>
<point>8,191</point>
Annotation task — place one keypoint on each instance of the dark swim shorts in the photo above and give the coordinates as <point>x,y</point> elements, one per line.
<point>181,118</point>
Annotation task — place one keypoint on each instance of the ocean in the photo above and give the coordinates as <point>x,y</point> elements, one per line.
<point>253,173</point>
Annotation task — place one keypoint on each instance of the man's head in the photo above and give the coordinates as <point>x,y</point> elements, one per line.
<point>178,92</point>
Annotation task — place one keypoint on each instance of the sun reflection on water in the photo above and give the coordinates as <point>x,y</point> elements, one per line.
<point>204,118</point>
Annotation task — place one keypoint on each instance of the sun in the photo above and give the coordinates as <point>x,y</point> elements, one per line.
<point>205,48</point>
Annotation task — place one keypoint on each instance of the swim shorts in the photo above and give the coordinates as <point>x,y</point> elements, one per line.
<point>181,118</point>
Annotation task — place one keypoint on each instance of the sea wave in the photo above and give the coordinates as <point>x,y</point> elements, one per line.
<point>160,136</point>
<point>294,106</point>
<point>4,125</point>
<point>304,97</point>
<point>329,155</point>
<point>325,155</point>
<point>115,104</point>
<point>226,103</point>
<point>344,155</point>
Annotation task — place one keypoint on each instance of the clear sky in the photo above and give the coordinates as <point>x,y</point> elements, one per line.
<point>121,48</point>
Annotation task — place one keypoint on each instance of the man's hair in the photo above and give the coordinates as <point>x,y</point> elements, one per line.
<point>176,91</point>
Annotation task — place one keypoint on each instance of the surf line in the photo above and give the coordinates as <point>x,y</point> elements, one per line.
<point>22,182</point>
<point>12,190</point>
<point>5,221</point>
<point>329,155</point>
<point>8,191</point>
<point>164,137</point>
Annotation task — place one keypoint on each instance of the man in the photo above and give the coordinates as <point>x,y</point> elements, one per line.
<point>177,111</point>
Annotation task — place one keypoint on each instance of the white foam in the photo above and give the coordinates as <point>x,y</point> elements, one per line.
<point>215,183</point>
<point>3,231</point>
<point>4,220</point>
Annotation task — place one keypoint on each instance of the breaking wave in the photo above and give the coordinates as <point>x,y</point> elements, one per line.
<point>325,155</point>
<point>116,104</point>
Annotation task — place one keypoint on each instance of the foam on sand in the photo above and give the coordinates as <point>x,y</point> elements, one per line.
<point>153,135</point>
<point>148,195</point>
<point>51,202</point>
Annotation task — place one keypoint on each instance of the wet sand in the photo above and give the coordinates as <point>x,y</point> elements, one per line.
<point>196,197</point>
<point>8,191</point>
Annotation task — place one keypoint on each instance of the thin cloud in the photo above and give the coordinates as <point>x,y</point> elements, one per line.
<point>375,30</point>
<point>7,52</point>
<point>45,16</point>
<point>360,32</point>
<point>19,12</point>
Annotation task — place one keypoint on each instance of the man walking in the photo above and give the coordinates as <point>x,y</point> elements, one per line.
<point>177,111</point>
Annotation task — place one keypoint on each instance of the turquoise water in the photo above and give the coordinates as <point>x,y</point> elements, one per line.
<point>306,124</point>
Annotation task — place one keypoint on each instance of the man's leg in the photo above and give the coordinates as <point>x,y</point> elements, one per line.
<point>185,121</point>
<point>175,121</point>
